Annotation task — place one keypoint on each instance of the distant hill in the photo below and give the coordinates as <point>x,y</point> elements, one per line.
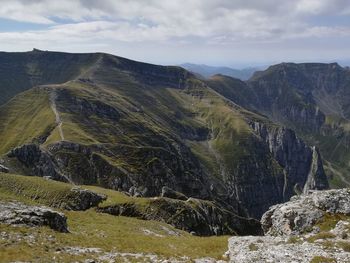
<point>208,71</point>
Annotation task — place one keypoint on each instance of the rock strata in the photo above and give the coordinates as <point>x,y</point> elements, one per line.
<point>15,213</point>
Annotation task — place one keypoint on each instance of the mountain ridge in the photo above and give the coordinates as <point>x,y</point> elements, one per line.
<point>138,128</point>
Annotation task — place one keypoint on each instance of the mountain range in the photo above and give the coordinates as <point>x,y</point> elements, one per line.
<point>209,156</point>
<point>208,71</point>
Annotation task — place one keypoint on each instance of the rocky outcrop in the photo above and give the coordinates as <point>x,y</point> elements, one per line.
<point>302,212</point>
<point>197,216</point>
<point>15,213</point>
<point>37,161</point>
<point>83,199</point>
<point>312,227</point>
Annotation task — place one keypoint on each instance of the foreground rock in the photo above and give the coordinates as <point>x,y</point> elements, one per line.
<point>252,249</point>
<point>15,213</point>
<point>302,212</point>
<point>309,228</point>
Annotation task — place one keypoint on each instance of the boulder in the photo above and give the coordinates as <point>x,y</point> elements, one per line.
<point>15,213</point>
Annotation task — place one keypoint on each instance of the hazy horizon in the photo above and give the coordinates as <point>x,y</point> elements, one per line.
<point>235,33</point>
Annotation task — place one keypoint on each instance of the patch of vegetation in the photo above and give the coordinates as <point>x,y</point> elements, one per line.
<point>293,240</point>
<point>253,247</point>
<point>328,221</point>
<point>344,245</point>
<point>321,236</point>
<point>321,259</point>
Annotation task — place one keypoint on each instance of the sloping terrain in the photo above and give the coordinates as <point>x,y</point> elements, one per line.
<point>137,128</point>
<point>92,235</point>
<point>311,98</point>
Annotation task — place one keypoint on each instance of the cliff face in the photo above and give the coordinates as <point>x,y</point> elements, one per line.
<point>282,166</point>
<point>301,163</point>
<point>310,98</point>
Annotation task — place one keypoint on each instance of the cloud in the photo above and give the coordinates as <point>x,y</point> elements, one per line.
<point>91,23</point>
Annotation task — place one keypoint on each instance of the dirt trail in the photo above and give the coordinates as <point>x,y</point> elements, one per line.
<point>53,97</point>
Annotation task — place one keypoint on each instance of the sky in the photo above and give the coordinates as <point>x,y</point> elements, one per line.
<point>236,33</point>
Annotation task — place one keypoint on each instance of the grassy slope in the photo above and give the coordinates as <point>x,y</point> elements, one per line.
<point>25,119</point>
<point>91,229</point>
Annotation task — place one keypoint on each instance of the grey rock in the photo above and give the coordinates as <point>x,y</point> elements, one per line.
<point>85,199</point>
<point>302,212</point>
<point>341,229</point>
<point>253,249</point>
<point>15,213</point>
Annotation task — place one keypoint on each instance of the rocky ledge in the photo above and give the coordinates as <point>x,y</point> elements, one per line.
<point>15,213</point>
<point>314,227</point>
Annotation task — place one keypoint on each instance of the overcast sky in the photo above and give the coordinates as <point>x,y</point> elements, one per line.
<point>214,32</point>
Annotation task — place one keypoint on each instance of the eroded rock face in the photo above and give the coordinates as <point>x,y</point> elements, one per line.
<point>302,163</point>
<point>15,213</point>
<point>37,161</point>
<point>302,212</point>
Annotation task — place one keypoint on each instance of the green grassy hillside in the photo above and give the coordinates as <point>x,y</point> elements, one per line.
<point>88,229</point>
<point>26,118</point>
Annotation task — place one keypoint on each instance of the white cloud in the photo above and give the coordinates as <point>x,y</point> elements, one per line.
<point>156,23</point>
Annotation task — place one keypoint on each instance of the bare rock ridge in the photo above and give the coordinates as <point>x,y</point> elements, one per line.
<point>312,227</point>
